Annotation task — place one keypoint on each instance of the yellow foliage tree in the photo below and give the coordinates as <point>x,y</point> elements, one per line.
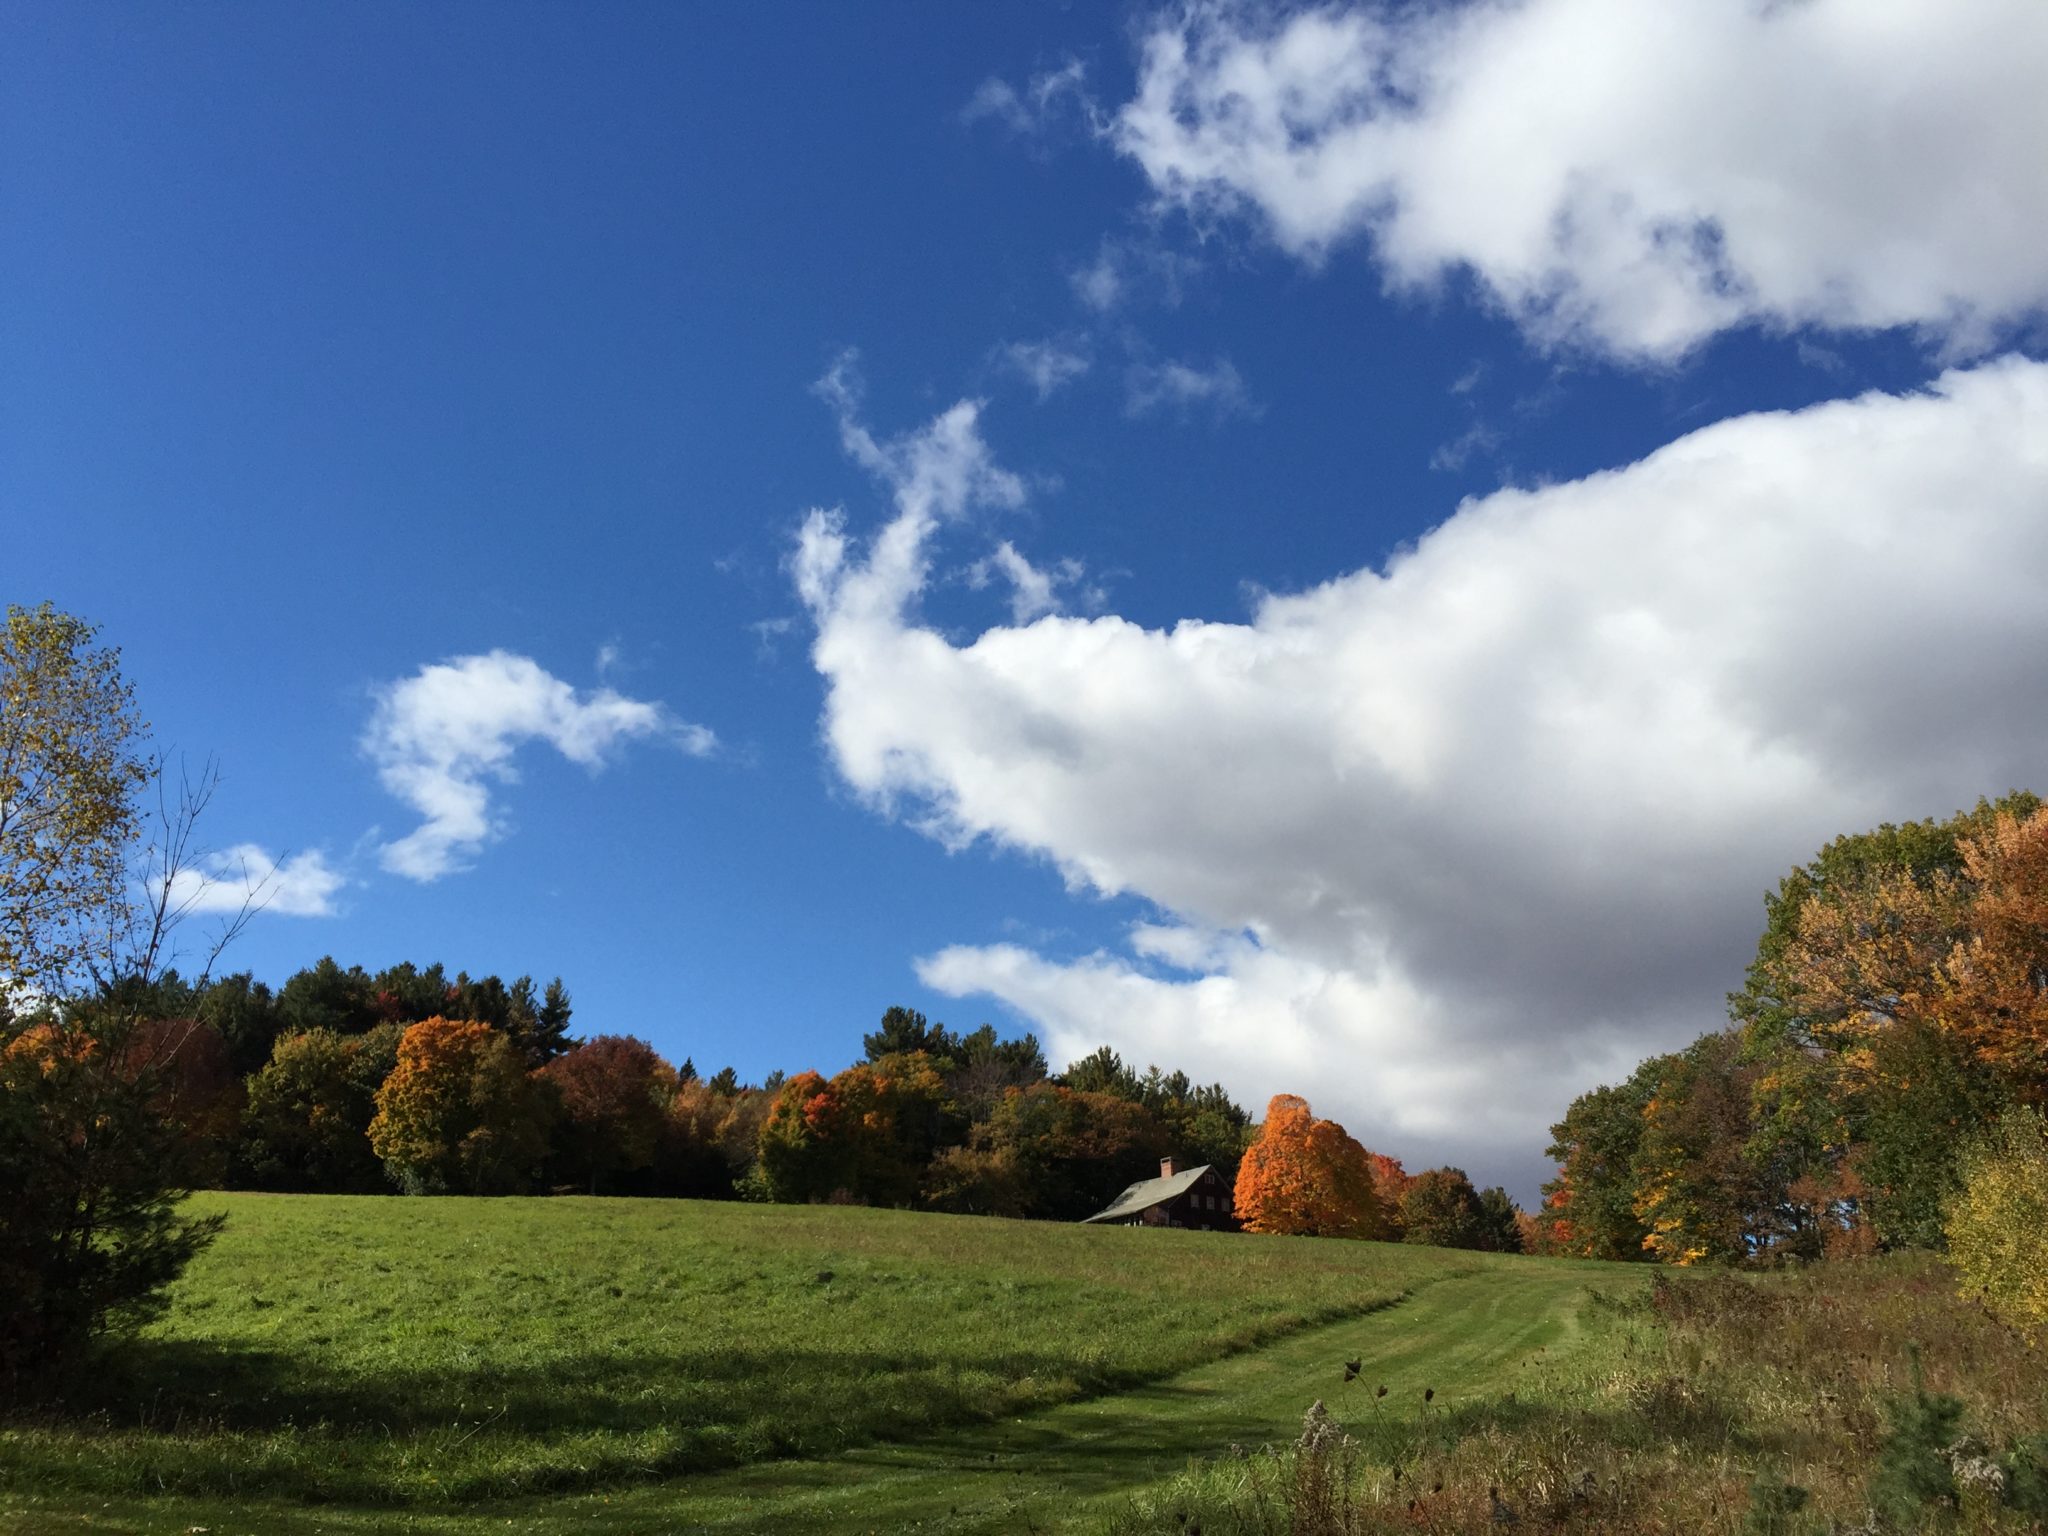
<point>1307,1177</point>
<point>1998,1221</point>
<point>459,1112</point>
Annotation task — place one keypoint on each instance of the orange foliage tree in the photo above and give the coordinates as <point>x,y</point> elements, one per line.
<point>1390,1182</point>
<point>1307,1177</point>
<point>459,1112</point>
<point>1996,980</point>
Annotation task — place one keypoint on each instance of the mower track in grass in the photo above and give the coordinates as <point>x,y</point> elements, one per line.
<point>1470,1337</point>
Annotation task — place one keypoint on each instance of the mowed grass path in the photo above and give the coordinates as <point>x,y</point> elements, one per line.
<point>422,1354</point>
<point>543,1364</point>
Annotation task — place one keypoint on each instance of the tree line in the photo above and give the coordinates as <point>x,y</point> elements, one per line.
<point>1879,1082</point>
<point>345,1081</point>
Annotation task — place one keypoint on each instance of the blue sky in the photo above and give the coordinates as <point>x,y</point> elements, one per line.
<point>347,345</point>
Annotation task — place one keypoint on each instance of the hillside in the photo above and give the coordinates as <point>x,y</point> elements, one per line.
<point>411,1358</point>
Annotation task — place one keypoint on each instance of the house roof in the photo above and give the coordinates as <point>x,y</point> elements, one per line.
<point>1146,1193</point>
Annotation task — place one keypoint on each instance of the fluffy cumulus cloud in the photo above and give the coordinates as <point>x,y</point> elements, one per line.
<point>1442,843</point>
<point>442,738</point>
<point>247,877</point>
<point>1631,177</point>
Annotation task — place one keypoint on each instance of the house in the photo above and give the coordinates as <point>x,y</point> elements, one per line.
<point>1190,1197</point>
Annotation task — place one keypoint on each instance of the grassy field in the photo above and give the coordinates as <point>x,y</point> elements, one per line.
<point>449,1368</point>
<point>434,1364</point>
<point>1844,1400</point>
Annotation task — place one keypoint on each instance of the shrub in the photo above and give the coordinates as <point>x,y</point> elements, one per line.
<point>1998,1220</point>
<point>90,1230</point>
<point>1915,1468</point>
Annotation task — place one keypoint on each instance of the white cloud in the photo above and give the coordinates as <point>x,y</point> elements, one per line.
<point>1100,284</point>
<point>1034,109</point>
<point>1034,592</point>
<point>1445,843</point>
<point>441,737</point>
<point>1046,365</point>
<point>1475,440</point>
<point>1125,271</point>
<point>1625,176</point>
<point>936,475</point>
<point>1184,388</point>
<point>303,885</point>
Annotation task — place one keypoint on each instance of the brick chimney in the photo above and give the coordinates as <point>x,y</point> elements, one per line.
<point>1166,1167</point>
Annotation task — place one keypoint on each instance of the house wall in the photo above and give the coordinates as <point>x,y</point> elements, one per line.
<point>1206,1207</point>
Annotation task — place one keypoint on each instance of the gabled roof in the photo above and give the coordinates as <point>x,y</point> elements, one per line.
<point>1146,1193</point>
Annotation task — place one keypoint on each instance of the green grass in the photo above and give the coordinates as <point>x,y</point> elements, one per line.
<point>1695,1408</point>
<point>449,1368</point>
<point>418,1356</point>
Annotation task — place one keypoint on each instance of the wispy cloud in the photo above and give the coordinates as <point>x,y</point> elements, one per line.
<point>1034,592</point>
<point>1216,390</point>
<point>1127,271</point>
<point>1474,441</point>
<point>1046,365</point>
<point>1044,101</point>
<point>442,737</point>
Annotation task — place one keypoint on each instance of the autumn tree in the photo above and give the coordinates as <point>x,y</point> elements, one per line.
<point>194,1091</point>
<point>1895,999</point>
<point>1995,980</point>
<point>1590,1206</point>
<point>95,1146</point>
<point>306,1126</point>
<point>865,1135</point>
<point>1998,1219</point>
<point>1389,1183</point>
<point>614,1092</point>
<point>459,1112</point>
<point>1203,1123</point>
<point>1051,1151</point>
<point>1869,935</point>
<point>978,1179</point>
<point>71,772</point>
<point>1700,1194</point>
<point>711,1137</point>
<point>1441,1208</point>
<point>1306,1177</point>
